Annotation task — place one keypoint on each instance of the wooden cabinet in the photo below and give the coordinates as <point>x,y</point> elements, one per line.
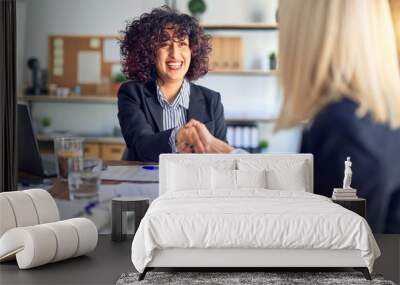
<point>227,53</point>
<point>105,148</point>
<point>112,151</point>
<point>104,151</point>
<point>91,150</point>
<point>227,56</point>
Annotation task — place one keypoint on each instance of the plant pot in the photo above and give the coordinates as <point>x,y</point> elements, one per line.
<point>272,64</point>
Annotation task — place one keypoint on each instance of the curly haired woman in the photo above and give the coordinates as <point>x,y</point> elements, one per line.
<point>162,52</point>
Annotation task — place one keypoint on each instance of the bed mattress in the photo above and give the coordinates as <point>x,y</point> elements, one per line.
<point>251,219</point>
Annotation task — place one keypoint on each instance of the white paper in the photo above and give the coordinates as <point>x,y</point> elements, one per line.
<point>111,50</point>
<point>116,68</point>
<point>89,67</point>
<point>130,173</point>
<point>58,43</point>
<point>99,215</point>
<point>148,190</point>
<point>94,43</point>
<point>58,71</point>
<point>58,61</point>
<point>58,52</point>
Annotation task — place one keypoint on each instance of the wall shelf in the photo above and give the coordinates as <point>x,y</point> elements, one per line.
<point>250,120</point>
<point>243,26</point>
<point>113,100</point>
<point>87,139</point>
<point>243,72</point>
<point>70,99</point>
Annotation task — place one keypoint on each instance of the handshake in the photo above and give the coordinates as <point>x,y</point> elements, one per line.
<point>194,137</point>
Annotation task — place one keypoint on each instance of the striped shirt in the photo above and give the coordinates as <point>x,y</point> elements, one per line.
<point>175,113</point>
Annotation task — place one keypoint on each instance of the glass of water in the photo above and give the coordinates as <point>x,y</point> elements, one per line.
<point>84,178</point>
<point>65,149</point>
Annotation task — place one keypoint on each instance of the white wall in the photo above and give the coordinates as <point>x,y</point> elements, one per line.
<point>235,11</point>
<point>242,95</point>
<point>77,17</point>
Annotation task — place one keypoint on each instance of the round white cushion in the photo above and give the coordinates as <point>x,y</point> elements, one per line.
<point>46,207</point>
<point>87,234</point>
<point>7,218</point>
<point>41,244</point>
<point>67,239</point>
<point>26,208</point>
<point>33,246</point>
<point>23,208</point>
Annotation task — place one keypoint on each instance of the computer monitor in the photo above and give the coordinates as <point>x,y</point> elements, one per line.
<point>29,158</point>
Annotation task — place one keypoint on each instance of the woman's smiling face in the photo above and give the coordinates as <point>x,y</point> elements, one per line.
<point>173,58</point>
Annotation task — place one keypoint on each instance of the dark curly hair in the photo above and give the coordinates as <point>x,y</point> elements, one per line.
<point>143,36</point>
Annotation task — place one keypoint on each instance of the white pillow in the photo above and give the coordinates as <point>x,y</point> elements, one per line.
<point>292,179</point>
<point>227,179</point>
<point>282,174</point>
<point>251,178</point>
<point>183,177</point>
<point>223,179</point>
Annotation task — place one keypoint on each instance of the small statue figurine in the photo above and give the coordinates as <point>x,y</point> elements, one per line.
<point>347,174</point>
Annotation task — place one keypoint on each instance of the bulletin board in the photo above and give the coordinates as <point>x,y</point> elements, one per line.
<point>85,61</point>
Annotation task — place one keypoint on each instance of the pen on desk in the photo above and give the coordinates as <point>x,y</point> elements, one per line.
<point>150,167</point>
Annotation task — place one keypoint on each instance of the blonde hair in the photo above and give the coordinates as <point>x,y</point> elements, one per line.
<point>334,48</point>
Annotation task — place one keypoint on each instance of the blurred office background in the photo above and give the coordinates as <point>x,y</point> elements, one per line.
<point>249,90</point>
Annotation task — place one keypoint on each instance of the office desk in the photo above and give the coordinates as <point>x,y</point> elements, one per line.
<point>59,190</point>
<point>100,214</point>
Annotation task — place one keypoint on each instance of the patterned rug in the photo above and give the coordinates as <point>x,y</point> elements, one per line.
<point>243,278</point>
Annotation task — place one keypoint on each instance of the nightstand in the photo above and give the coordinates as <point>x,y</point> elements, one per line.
<point>358,206</point>
<point>121,205</point>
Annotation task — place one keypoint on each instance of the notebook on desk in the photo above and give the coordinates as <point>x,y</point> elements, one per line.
<point>132,173</point>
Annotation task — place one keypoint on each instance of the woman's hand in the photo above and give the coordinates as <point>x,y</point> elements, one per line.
<point>188,140</point>
<point>210,143</point>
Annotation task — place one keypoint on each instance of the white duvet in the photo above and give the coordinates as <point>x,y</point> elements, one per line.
<point>251,218</point>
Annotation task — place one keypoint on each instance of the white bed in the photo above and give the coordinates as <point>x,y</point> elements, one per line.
<point>231,211</point>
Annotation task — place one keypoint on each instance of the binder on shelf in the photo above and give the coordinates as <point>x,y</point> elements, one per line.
<point>238,137</point>
<point>230,135</point>
<point>237,53</point>
<point>226,54</point>
<point>215,53</point>
<point>254,137</point>
<point>246,137</point>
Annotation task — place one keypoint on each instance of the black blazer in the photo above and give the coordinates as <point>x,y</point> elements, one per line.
<point>336,133</point>
<point>140,118</point>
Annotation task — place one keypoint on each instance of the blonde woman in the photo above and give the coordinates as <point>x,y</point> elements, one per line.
<point>339,72</point>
